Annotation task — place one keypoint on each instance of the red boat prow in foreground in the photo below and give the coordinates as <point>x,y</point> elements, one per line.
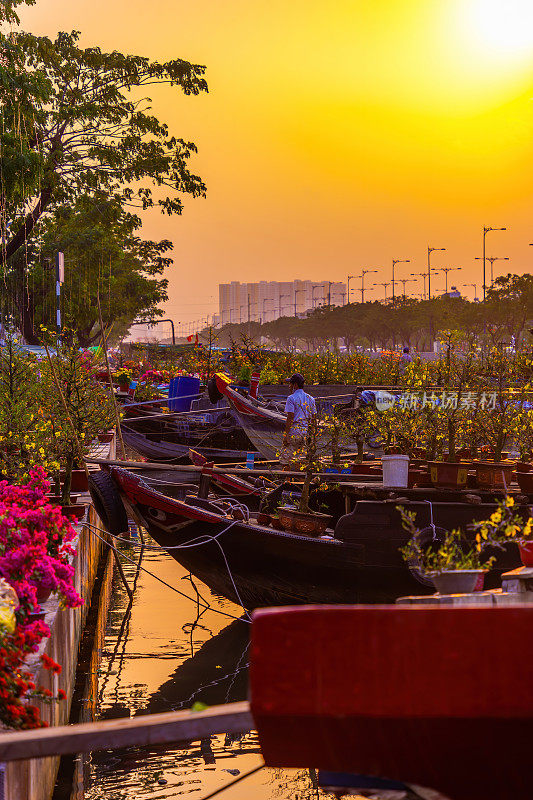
<point>440,697</point>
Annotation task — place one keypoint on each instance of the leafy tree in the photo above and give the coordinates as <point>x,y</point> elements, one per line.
<point>79,116</point>
<point>103,255</point>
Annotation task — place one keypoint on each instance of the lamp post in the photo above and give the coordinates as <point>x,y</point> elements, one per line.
<point>295,293</point>
<point>394,262</point>
<point>422,275</point>
<point>446,270</point>
<point>362,276</point>
<point>430,251</point>
<point>385,284</point>
<point>350,278</point>
<point>264,313</point>
<point>492,259</point>
<point>405,281</point>
<point>329,292</point>
<point>485,231</point>
<point>474,287</point>
<point>313,294</point>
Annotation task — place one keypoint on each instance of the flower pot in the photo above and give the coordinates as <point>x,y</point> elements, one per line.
<point>448,474</point>
<point>310,524</point>
<point>105,437</point>
<point>276,523</point>
<point>395,470</point>
<point>526,554</point>
<point>523,466</point>
<point>79,481</point>
<point>56,499</point>
<point>458,581</point>
<point>263,518</point>
<point>43,594</point>
<point>493,474</point>
<point>74,511</point>
<point>525,481</point>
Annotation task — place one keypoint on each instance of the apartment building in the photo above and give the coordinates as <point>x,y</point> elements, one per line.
<point>267,300</point>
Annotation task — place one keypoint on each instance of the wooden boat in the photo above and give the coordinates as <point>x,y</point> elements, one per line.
<point>255,565</point>
<point>161,447</point>
<point>263,422</point>
<point>168,436</point>
<point>428,696</point>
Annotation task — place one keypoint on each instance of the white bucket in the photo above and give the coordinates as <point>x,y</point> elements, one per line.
<point>395,471</point>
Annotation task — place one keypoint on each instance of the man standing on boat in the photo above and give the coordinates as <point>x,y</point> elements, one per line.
<point>301,411</point>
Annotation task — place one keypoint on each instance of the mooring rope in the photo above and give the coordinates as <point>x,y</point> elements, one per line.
<point>93,529</point>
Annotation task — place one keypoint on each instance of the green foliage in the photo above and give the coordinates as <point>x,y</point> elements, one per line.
<point>103,255</point>
<point>76,404</point>
<point>25,429</point>
<point>453,553</point>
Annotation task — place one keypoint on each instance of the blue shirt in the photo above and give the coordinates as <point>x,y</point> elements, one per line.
<point>302,405</point>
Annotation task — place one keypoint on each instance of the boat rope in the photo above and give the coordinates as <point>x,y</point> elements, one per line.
<point>93,530</point>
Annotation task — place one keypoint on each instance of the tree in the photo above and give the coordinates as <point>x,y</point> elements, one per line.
<point>103,256</point>
<point>78,120</point>
<point>510,300</point>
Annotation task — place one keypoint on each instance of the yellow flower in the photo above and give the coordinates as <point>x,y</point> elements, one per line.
<point>496,517</point>
<point>509,501</point>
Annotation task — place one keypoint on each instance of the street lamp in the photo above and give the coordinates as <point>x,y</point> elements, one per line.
<point>313,293</point>
<point>492,259</point>
<point>485,231</point>
<point>405,281</point>
<point>394,262</point>
<point>422,275</point>
<point>474,287</point>
<point>264,312</point>
<point>385,284</point>
<point>329,292</point>
<point>430,251</point>
<point>350,278</point>
<point>362,276</point>
<point>446,270</point>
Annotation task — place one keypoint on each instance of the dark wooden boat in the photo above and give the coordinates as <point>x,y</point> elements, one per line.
<point>430,696</point>
<point>160,447</point>
<point>172,434</point>
<point>249,564</point>
<point>256,566</point>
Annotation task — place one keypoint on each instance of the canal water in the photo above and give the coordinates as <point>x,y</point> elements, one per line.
<point>163,652</point>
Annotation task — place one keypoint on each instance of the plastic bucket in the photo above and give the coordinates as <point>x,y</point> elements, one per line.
<point>395,471</point>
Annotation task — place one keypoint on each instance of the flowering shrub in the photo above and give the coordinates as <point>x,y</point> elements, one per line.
<point>35,544</point>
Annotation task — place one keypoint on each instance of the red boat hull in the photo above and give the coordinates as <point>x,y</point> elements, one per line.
<point>438,697</point>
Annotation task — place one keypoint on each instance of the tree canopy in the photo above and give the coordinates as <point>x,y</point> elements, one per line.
<point>80,155</point>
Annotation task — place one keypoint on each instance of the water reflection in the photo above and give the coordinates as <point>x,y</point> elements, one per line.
<point>162,652</point>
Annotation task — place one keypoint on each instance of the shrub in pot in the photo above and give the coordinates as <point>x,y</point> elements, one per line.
<point>454,565</point>
<point>505,527</point>
<point>78,406</point>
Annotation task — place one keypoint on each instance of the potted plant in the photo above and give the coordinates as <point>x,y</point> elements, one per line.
<point>454,565</point>
<point>506,526</point>
<point>79,407</point>
<point>303,519</point>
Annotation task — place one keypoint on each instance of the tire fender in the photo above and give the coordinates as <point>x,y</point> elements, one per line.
<point>108,503</point>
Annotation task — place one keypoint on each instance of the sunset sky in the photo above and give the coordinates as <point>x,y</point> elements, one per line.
<point>336,135</point>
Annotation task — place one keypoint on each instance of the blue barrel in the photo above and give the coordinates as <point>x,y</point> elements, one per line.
<point>182,391</point>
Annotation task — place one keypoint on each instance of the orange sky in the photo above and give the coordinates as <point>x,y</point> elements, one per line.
<point>336,135</point>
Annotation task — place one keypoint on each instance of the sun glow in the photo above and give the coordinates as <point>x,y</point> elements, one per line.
<point>504,26</point>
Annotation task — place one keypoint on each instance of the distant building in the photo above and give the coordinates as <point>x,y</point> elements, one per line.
<point>268,300</point>
<point>454,292</point>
